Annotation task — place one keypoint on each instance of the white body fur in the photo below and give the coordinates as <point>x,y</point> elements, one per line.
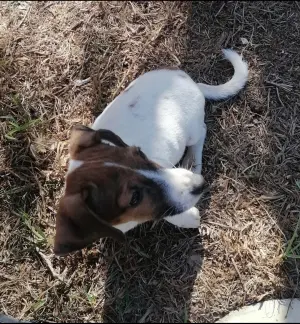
<point>168,111</point>
<point>162,112</point>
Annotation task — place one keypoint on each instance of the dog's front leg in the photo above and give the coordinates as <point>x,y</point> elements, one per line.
<point>193,157</point>
<point>188,219</point>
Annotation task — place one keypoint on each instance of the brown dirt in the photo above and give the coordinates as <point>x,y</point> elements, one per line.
<point>251,158</point>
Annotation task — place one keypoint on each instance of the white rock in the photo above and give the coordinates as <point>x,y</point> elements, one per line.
<point>244,41</point>
<point>271,311</point>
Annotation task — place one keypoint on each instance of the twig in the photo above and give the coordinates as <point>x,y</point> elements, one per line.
<point>224,226</point>
<point>259,23</point>
<point>108,62</point>
<point>144,317</point>
<point>217,14</point>
<point>239,274</point>
<point>118,264</point>
<point>286,87</point>
<point>23,19</point>
<point>79,83</point>
<point>50,267</point>
<point>278,97</point>
<point>49,5</point>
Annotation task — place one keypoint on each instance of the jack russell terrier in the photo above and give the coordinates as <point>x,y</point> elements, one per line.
<point>121,172</point>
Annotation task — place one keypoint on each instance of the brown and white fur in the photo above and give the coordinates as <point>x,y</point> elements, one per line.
<point>121,171</point>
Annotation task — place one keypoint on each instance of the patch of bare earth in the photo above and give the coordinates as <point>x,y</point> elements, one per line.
<point>60,64</point>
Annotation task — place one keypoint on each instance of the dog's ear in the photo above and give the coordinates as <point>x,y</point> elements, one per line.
<point>83,137</point>
<point>77,226</point>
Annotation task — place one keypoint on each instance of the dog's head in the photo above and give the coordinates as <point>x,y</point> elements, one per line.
<point>110,184</point>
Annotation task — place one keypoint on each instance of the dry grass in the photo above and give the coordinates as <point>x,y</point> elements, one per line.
<point>251,158</point>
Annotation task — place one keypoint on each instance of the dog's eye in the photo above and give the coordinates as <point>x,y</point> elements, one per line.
<point>136,198</point>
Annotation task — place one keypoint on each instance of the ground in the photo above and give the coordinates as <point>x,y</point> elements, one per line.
<point>243,252</point>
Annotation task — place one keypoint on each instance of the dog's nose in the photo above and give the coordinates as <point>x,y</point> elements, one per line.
<point>198,188</point>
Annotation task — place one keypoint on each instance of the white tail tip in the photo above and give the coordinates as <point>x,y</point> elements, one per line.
<point>233,86</point>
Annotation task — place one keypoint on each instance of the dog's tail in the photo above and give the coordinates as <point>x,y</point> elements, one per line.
<point>234,85</point>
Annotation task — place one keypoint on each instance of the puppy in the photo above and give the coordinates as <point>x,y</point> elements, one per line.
<point>121,172</point>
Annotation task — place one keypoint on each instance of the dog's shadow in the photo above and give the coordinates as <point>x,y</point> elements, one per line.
<point>152,274</point>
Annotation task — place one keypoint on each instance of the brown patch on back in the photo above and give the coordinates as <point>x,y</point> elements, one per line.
<point>134,102</point>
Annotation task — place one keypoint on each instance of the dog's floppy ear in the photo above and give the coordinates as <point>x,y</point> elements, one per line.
<point>77,226</point>
<point>83,137</point>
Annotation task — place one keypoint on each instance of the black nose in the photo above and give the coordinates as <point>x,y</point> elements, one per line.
<point>198,189</point>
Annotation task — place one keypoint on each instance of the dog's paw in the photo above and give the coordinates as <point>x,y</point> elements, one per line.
<point>191,219</point>
<point>188,219</point>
